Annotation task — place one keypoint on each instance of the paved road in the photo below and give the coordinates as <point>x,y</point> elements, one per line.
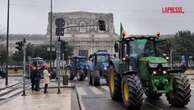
<point>98,98</point>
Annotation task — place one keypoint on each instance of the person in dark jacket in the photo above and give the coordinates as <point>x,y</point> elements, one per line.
<point>32,76</point>
<point>37,78</point>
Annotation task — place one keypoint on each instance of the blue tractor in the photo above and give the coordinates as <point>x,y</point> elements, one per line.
<point>78,67</point>
<point>98,67</point>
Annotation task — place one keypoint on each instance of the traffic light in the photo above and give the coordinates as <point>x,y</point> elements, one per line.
<point>60,23</point>
<point>102,26</point>
<point>19,46</point>
<point>59,32</point>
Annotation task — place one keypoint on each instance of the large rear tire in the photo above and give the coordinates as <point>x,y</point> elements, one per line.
<point>96,78</point>
<point>132,92</point>
<point>81,76</point>
<point>90,78</point>
<point>114,83</point>
<point>180,96</point>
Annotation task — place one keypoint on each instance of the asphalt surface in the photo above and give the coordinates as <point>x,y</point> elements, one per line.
<point>85,97</point>
<point>98,98</point>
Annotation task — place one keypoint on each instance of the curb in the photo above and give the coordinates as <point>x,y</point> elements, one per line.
<point>80,102</point>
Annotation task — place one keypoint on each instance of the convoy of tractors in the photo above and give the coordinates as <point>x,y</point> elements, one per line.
<point>137,69</point>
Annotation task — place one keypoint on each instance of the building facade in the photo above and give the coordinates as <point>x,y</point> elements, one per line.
<point>85,35</point>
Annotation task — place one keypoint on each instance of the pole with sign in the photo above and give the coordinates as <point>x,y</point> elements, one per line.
<point>58,55</point>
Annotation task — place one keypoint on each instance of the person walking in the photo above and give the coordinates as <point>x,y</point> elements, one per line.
<point>46,76</point>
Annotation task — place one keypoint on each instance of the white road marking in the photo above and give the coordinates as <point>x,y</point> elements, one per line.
<point>105,88</point>
<point>192,87</point>
<point>81,102</point>
<point>81,91</point>
<point>96,91</point>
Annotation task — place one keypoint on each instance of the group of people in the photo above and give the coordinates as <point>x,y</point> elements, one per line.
<point>36,77</point>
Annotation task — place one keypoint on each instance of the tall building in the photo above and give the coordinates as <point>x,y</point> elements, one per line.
<point>86,37</point>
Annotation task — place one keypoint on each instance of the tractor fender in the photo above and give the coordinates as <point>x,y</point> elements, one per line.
<point>115,62</point>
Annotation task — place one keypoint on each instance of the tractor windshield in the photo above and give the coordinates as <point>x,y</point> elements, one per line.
<point>82,60</point>
<point>142,47</point>
<point>102,58</point>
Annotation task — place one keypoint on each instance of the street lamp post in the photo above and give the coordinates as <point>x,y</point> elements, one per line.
<point>51,23</point>
<point>7,43</point>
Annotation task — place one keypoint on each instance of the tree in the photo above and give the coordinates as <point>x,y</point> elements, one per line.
<point>66,49</point>
<point>2,54</point>
<point>183,43</point>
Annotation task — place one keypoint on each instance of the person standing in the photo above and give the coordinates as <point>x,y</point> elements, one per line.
<point>32,76</point>
<point>37,78</point>
<point>46,76</point>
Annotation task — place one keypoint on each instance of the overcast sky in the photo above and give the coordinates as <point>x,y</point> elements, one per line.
<point>137,16</point>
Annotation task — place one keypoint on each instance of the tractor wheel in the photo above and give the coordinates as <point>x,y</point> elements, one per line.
<point>180,96</point>
<point>132,92</point>
<point>81,76</point>
<point>96,79</point>
<point>90,78</point>
<point>153,95</point>
<point>114,82</point>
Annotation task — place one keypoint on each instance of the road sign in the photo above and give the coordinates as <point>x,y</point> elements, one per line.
<point>60,22</point>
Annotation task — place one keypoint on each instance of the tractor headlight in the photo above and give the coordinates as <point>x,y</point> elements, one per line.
<point>165,65</point>
<point>153,65</point>
<point>105,68</point>
<point>154,72</point>
<point>164,72</point>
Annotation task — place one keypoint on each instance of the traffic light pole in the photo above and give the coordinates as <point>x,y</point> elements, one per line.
<point>58,55</point>
<point>24,68</point>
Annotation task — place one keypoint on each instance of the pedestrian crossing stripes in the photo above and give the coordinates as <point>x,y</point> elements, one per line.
<point>81,91</point>
<point>84,91</point>
<point>105,88</point>
<point>192,87</point>
<point>96,91</point>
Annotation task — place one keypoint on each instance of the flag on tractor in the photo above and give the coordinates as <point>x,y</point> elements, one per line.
<point>122,31</point>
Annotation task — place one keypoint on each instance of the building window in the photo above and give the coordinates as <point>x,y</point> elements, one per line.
<point>102,25</point>
<point>82,28</point>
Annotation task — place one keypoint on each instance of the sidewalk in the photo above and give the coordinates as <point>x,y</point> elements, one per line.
<point>39,101</point>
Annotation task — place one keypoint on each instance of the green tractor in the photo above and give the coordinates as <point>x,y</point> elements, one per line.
<point>140,69</point>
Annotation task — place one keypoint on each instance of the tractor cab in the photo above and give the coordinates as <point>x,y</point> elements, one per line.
<point>100,63</point>
<point>100,59</point>
<point>78,61</point>
<point>141,50</point>
<point>78,67</point>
